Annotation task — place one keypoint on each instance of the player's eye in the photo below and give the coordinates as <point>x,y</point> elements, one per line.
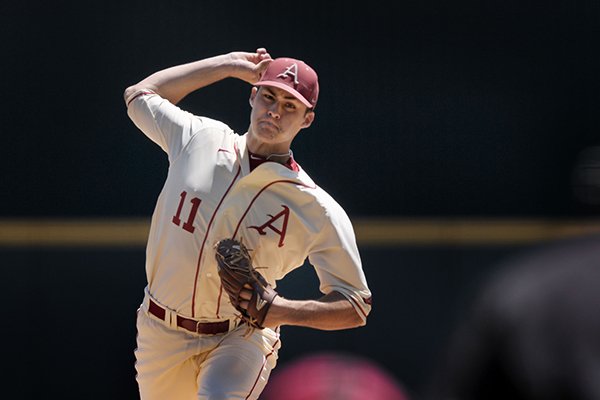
<point>290,106</point>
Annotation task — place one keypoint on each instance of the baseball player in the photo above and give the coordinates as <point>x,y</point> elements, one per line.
<point>191,343</point>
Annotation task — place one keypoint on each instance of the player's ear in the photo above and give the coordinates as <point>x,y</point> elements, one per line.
<point>309,117</point>
<point>253,96</point>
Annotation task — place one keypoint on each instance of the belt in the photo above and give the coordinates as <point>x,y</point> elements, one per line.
<point>204,328</point>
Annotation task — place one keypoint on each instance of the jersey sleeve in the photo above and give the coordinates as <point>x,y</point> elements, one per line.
<point>336,260</point>
<point>164,123</point>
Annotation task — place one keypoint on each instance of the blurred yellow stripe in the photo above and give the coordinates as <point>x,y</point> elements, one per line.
<point>74,233</point>
<point>369,231</point>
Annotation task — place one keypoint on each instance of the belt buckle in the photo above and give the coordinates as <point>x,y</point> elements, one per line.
<point>198,327</point>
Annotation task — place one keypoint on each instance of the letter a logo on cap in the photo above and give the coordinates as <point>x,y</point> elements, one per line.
<point>291,70</point>
<point>293,76</point>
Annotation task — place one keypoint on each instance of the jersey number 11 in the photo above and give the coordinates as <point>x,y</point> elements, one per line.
<point>189,224</point>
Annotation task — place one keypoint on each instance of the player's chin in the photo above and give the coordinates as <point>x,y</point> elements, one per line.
<point>268,132</point>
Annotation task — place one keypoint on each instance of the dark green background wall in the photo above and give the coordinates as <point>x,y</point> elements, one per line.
<point>427,107</point>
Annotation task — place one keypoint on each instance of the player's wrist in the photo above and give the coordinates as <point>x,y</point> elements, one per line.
<point>278,312</point>
<point>238,65</point>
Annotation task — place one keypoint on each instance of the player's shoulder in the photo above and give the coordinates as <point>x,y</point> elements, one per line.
<point>328,202</point>
<point>330,207</point>
<point>307,192</point>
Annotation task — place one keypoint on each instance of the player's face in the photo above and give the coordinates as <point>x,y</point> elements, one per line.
<point>276,118</point>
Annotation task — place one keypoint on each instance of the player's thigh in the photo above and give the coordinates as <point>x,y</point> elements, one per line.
<point>166,366</point>
<point>240,366</point>
<point>177,383</point>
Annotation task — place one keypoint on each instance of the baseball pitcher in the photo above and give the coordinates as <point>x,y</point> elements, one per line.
<point>236,214</point>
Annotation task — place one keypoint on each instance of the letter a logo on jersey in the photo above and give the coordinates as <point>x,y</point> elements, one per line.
<point>291,70</point>
<point>284,214</point>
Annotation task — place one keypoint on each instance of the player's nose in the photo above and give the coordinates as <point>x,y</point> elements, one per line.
<point>273,114</point>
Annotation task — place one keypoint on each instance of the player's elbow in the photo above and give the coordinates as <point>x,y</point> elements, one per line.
<point>360,321</point>
<point>128,93</point>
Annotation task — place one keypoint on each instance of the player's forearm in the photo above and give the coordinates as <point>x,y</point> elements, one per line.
<point>175,83</point>
<point>331,312</point>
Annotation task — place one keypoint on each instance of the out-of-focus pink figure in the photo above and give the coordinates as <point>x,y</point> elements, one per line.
<point>333,376</point>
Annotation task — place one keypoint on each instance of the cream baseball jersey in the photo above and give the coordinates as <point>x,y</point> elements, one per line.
<point>210,193</point>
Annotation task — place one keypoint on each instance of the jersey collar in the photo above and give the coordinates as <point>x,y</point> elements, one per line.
<point>249,160</point>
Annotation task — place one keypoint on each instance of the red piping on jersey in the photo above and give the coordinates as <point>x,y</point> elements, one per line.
<point>141,93</point>
<point>244,216</point>
<point>212,218</point>
<point>260,192</point>
<point>219,301</point>
<point>261,368</point>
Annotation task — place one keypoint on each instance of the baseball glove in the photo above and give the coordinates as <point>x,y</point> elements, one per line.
<point>236,270</point>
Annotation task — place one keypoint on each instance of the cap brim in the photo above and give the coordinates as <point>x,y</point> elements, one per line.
<point>288,89</point>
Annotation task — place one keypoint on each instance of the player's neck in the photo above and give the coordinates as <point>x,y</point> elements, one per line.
<point>280,154</point>
<point>281,158</point>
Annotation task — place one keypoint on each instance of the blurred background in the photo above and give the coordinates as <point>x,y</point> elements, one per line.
<point>456,135</point>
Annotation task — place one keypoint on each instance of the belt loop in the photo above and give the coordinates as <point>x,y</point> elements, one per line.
<point>171,318</point>
<point>146,301</point>
<point>233,323</point>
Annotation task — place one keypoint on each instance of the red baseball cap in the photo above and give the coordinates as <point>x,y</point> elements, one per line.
<point>293,76</point>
